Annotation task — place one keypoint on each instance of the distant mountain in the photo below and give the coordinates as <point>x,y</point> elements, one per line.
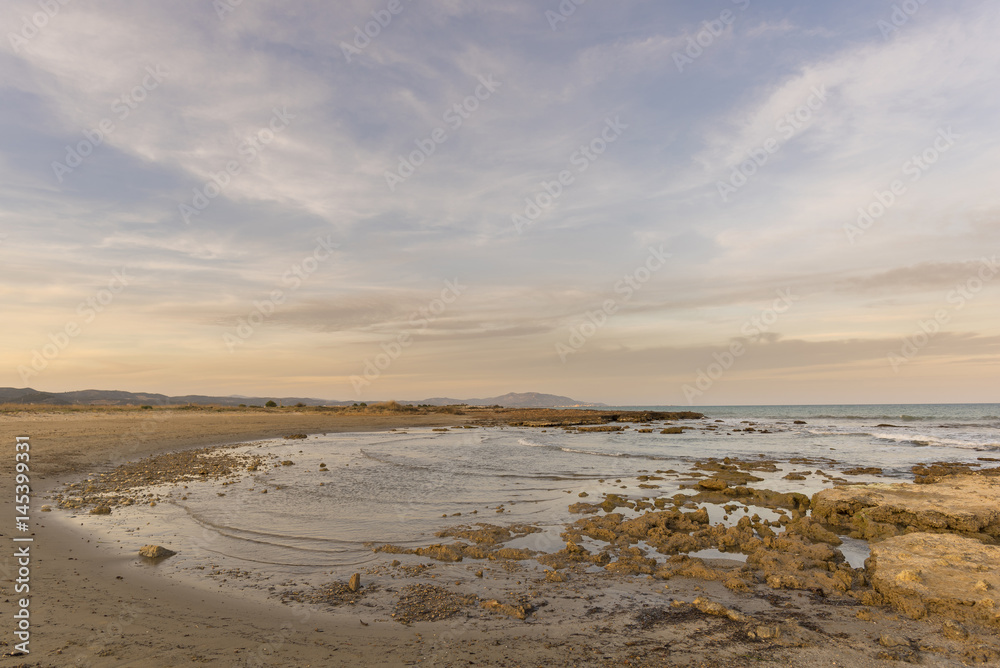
<point>512,400</point>
<point>11,395</point>
<point>27,395</point>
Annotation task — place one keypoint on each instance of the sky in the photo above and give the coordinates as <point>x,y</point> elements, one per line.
<point>640,202</point>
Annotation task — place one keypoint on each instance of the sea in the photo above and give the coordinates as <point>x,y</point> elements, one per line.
<point>404,486</point>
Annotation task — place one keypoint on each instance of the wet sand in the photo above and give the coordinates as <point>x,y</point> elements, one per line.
<point>93,606</point>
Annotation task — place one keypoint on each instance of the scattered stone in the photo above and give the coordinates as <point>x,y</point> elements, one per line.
<point>354,584</point>
<point>423,602</point>
<point>101,510</point>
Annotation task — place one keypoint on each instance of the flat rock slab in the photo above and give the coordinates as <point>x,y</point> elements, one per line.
<point>964,504</point>
<point>946,574</point>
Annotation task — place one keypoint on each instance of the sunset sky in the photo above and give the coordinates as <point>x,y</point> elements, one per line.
<point>638,202</point>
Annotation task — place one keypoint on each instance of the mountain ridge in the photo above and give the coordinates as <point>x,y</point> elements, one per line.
<point>28,395</point>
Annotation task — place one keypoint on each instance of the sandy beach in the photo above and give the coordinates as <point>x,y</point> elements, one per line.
<point>99,604</point>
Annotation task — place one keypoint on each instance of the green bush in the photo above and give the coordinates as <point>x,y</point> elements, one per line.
<point>271,404</point>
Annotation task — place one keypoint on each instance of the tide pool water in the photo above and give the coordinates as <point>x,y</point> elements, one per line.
<point>402,487</point>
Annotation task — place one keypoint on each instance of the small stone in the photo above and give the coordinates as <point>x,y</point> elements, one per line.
<point>354,583</point>
<point>712,608</point>
<point>890,640</point>
<point>767,632</point>
<point>155,552</point>
<point>101,510</point>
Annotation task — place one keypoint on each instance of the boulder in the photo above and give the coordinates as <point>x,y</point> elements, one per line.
<point>964,504</point>
<point>945,574</point>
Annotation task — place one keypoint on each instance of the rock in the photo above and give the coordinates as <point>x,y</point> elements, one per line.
<point>890,640</point>
<point>555,576</point>
<point>964,504</point>
<point>717,609</point>
<point>922,573</point>
<point>155,552</point>
<point>354,584</point>
<point>516,611</point>
<point>46,509</point>
<point>101,510</point>
<point>714,484</point>
<point>767,632</point>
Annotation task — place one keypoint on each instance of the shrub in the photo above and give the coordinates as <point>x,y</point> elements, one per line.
<point>270,404</point>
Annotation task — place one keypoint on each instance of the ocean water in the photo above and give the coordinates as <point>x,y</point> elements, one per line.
<point>404,486</point>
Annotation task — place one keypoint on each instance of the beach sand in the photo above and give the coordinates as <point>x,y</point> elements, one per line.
<point>90,606</point>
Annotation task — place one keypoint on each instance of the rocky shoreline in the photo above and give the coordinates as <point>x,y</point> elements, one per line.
<point>934,550</point>
<point>624,590</point>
